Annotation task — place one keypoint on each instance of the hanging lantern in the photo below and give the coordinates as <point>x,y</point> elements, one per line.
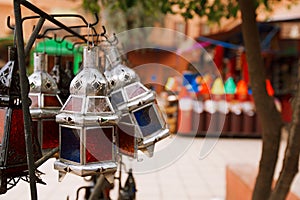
<point>135,101</point>
<point>87,124</point>
<point>45,103</point>
<point>62,77</point>
<point>13,157</point>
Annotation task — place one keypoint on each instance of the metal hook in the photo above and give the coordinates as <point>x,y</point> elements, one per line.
<point>73,46</point>
<point>8,23</point>
<point>114,41</point>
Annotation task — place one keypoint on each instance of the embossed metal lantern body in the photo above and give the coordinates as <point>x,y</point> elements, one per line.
<point>13,158</point>
<point>135,101</point>
<point>87,124</point>
<point>45,103</point>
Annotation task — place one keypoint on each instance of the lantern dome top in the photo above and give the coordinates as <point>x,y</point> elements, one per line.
<point>40,81</point>
<point>117,74</point>
<point>89,81</point>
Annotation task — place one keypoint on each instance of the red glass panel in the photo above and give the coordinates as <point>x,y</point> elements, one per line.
<point>99,145</point>
<point>2,123</point>
<point>34,100</point>
<point>51,101</point>
<point>74,104</point>
<point>126,139</point>
<point>16,146</point>
<point>50,134</point>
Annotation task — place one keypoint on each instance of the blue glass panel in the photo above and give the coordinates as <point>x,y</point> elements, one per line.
<point>117,98</point>
<point>70,144</point>
<point>147,120</point>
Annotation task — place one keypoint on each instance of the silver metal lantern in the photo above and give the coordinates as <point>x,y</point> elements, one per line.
<point>136,102</point>
<point>45,103</point>
<point>87,123</point>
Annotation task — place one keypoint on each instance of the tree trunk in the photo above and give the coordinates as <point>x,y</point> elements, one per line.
<point>269,117</point>
<point>291,157</point>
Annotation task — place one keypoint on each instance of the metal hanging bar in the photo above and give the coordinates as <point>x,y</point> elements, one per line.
<point>24,85</point>
<point>50,154</point>
<point>86,24</point>
<point>34,35</point>
<point>49,18</point>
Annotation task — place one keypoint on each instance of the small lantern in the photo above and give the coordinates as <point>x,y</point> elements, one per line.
<point>13,157</point>
<point>45,103</point>
<point>87,124</point>
<point>135,101</point>
<point>62,77</point>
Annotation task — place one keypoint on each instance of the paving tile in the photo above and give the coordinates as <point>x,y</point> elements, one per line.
<point>186,178</point>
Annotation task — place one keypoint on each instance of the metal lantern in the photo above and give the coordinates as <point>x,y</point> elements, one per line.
<point>13,157</point>
<point>87,123</point>
<point>45,103</point>
<point>62,77</point>
<point>135,101</point>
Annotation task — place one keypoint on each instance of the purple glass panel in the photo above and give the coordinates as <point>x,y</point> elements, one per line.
<point>98,105</point>
<point>74,104</point>
<point>34,101</point>
<point>134,90</point>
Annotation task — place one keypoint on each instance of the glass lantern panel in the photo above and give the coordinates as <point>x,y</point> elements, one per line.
<point>148,120</point>
<point>74,104</point>
<point>2,123</point>
<point>51,101</point>
<point>126,139</point>
<point>70,144</point>
<point>99,144</point>
<point>134,90</point>
<point>34,101</point>
<point>50,130</point>
<point>117,98</point>
<point>98,105</point>
<point>16,144</point>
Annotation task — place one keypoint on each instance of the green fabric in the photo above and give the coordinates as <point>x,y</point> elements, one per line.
<point>230,86</point>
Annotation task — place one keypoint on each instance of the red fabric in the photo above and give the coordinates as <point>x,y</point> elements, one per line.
<point>245,68</point>
<point>218,56</point>
<point>269,88</point>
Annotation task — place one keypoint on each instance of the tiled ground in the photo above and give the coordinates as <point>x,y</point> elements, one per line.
<point>186,177</point>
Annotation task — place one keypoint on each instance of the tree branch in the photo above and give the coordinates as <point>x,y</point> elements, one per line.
<point>269,117</point>
<point>291,159</point>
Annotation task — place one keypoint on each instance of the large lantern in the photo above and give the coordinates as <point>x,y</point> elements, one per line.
<point>136,102</point>
<point>13,158</point>
<point>87,124</point>
<point>45,103</point>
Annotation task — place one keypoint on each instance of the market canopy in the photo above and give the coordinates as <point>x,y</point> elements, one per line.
<point>52,47</point>
<point>64,48</point>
